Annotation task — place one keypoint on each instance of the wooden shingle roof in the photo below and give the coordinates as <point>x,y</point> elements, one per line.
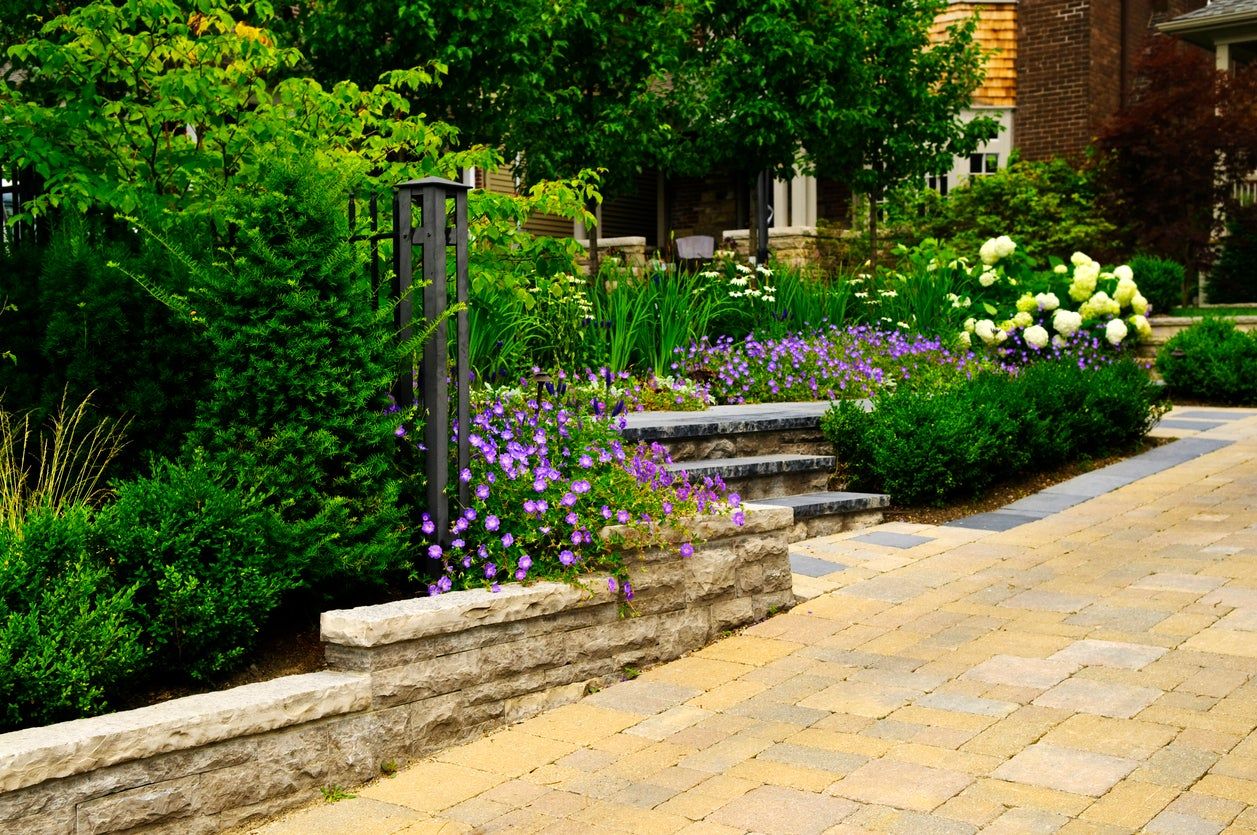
<point>997,33</point>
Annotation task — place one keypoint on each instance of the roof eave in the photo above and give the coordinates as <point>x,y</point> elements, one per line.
<point>1204,31</point>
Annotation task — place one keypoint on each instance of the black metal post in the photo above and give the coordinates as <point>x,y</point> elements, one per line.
<point>434,235</point>
<point>763,194</point>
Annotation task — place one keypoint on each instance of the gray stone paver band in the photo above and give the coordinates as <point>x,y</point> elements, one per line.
<point>1089,669</point>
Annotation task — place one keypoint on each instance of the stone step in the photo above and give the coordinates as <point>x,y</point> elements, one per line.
<point>825,512</point>
<point>753,476</point>
<point>734,431</point>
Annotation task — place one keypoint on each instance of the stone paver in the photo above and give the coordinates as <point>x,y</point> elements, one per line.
<point>1083,661</point>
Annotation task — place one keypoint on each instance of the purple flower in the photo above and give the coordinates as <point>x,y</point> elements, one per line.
<point>520,574</point>
<point>612,585</point>
<point>622,516</point>
<point>508,539</point>
<point>566,557</point>
<point>525,562</point>
<point>585,462</point>
<point>739,518</point>
<point>606,512</point>
<point>568,499</point>
<point>434,552</point>
<point>490,570</point>
<point>427,527</point>
<point>628,591</point>
<point>491,523</point>
<point>444,584</point>
<point>571,518</point>
<point>580,486</point>
<point>734,500</point>
<point>687,549</point>
<point>482,491</point>
<point>457,543</point>
<point>465,475</point>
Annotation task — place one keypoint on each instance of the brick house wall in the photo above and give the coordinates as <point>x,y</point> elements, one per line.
<point>1076,61</point>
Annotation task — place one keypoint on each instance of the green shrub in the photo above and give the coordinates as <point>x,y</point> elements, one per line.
<point>1234,275</point>
<point>926,446</point>
<point>1160,281</point>
<point>302,365</point>
<point>68,631</point>
<point>88,329</point>
<point>1211,360</point>
<point>210,564</point>
<point>1049,207</point>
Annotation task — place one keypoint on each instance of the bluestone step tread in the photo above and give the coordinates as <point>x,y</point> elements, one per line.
<point>828,502</point>
<point>756,465</point>
<point>723,420</point>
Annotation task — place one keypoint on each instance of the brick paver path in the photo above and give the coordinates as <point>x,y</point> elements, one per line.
<point>1093,671</point>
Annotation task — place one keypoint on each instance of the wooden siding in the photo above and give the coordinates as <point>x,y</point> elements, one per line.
<point>997,33</point>
<point>502,181</point>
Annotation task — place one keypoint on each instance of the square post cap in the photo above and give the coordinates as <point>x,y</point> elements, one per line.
<point>433,182</point>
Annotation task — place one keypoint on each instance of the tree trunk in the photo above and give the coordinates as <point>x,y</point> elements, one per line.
<point>593,231</point>
<point>874,199</point>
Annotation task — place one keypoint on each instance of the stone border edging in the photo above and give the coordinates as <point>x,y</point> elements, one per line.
<point>408,678</point>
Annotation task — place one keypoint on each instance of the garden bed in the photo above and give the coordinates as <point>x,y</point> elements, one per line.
<point>406,678</point>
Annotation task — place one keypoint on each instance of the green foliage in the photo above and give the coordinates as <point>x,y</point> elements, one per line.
<point>138,105</point>
<point>924,447</point>
<point>929,291</point>
<point>85,329</point>
<point>1233,277</point>
<point>1160,280</point>
<point>68,631</point>
<point>1212,361</point>
<point>767,80</point>
<point>301,367</point>
<point>210,564</point>
<point>1048,207</point>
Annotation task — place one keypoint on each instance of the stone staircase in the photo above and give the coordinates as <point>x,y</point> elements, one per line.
<point>771,454</point>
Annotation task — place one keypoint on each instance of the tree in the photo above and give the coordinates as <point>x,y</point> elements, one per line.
<point>759,79</point>
<point>912,89</point>
<point>1169,158</point>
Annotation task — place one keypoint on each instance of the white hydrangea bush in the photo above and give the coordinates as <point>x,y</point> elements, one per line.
<point>1043,308</point>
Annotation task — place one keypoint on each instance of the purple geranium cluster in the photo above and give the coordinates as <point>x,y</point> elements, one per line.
<point>832,363</point>
<point>546,476</point>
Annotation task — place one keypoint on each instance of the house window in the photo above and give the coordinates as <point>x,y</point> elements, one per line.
<point>938,182</point>
<point>981,164</point>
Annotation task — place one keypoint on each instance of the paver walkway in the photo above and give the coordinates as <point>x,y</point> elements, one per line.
<point>1091,671</point>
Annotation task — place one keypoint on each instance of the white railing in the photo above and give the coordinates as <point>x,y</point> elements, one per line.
<point>1245,191</point>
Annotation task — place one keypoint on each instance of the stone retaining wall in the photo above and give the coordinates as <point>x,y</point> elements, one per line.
<point>406,678</point>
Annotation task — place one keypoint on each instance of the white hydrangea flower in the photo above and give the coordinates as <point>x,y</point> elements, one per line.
<point>1089,271</point>
<point>969,323</point>
<point>984,329</point>
<point>1139,304</point>
<point>989,252</point>
<point>1066,322</point>
<point>1047,301</point>
<point>1027,303</point>
<point>1080,258</point>
<point>964,339</point>
<point>988,278</point>
<point>1000,336</point>
<point>1115,331</point>
<point>1023,319</point>
<point>1058,341</point>
<point>1004,246</point>
<point>1125,291</point>
<point>1141,326</point>
<point>1060,269</point>
<point>1036,337</point>
<point>1124,273</point>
